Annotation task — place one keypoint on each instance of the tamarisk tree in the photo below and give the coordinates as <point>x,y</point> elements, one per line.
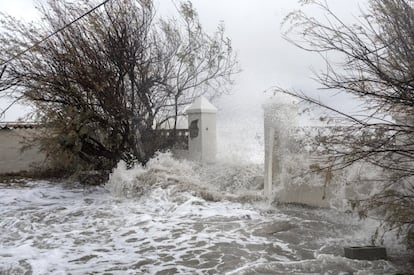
<point>105,83</point>
<point>377,69</point>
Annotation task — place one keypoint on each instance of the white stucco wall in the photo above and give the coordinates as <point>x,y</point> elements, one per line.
<point>283,167</point>
<point>288,174</point>
<point>12,158</point>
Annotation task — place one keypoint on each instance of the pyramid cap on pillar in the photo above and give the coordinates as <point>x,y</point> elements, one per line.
<point>201,105</point>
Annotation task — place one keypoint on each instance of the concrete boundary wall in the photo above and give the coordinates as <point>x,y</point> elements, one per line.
<point>16,156</point>
<point>292,157</point>
<point>199,145</point>
<point>13,158</point>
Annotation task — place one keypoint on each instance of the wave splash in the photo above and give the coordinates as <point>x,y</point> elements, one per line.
<point>221,181</point>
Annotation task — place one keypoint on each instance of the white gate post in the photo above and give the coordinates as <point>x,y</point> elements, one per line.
<point>269,145</point>
<point>202,142</point>
<point>279,119</point>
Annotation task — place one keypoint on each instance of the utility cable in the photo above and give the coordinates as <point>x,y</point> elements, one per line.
<point>54,33</point>
<point>2,70</point>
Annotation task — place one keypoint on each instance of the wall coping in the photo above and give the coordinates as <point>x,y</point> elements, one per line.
<point>19,125</point>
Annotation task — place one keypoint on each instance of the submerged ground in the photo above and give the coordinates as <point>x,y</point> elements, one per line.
<point>175,217</point>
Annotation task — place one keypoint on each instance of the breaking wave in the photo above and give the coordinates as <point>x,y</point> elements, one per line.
<point>175,216</point>
<point>221,181</point>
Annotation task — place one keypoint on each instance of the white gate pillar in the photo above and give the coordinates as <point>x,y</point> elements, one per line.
<point>279,118</point>
<point>269,137</point>
<point>202,142</point>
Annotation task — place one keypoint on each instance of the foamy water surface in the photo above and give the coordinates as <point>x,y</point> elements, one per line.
<point>173,217</point>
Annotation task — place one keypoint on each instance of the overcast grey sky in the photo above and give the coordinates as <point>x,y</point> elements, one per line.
<point>254,28</point>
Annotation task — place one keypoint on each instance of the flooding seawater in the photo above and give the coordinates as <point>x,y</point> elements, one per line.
<point>177,217</point>
<point>173,217</point>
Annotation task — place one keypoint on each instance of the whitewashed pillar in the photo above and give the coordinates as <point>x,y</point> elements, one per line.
<point>279,119</point>
<point>202,142</point>
<point>268,170</point>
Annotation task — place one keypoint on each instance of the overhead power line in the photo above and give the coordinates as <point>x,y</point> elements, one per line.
<point>2,70</point>
<point>54,33</point>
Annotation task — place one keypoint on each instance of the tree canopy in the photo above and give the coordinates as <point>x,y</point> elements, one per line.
<point>104,84</point>
<point>378,69</point>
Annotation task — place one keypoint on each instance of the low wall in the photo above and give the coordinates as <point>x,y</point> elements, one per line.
<point>291,161</point>
<point>16,156</point>
<point>181,137</point>
<point>13,158</point>
<point>317,196</point>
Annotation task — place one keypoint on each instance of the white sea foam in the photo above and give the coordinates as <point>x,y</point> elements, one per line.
<point>49,228</point>
<point>53,228</point>
<point>176,216</point>
<point>221,181</point>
